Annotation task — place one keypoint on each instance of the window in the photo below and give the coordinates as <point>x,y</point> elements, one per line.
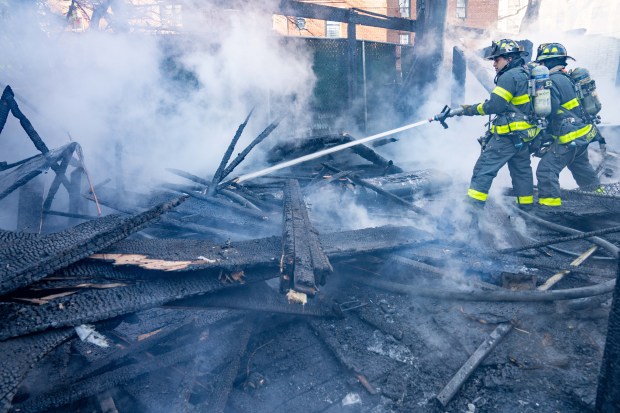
<point>404,8</point>
<point>300,22</point>
<point>332,29</point>
<point>461,9</point>
<point>171,15</point>
<point>404,39</point>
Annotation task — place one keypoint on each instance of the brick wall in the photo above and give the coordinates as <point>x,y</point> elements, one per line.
<point>480,14</point>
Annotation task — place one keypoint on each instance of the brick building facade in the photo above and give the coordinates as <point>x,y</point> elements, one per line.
<point>291,26</point>
<point>471,13</point>
<point>480,14</point>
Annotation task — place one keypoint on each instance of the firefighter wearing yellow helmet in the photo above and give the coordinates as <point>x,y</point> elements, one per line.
<point>570,127</point>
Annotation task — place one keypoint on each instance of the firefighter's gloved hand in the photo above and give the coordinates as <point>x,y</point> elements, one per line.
<point>469,110</point>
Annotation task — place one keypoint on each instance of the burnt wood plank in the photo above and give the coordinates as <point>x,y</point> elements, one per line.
<point>12,179</point>
<point>255,297</point>
<point>32,258</point>
<point>21,354</point>
<point>297,270</point>
<point>87,306</point>
<point>263,252</point>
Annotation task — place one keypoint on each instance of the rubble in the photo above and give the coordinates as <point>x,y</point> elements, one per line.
<point>222,294</point>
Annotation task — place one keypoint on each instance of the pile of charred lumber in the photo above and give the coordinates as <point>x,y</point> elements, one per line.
<point>155,305</point>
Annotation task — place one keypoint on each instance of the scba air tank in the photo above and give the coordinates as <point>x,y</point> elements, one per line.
<point>541,92</point>
<point>586,91</point>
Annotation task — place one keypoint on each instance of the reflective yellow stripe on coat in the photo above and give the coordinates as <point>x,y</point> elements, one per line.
<point>502,93</point>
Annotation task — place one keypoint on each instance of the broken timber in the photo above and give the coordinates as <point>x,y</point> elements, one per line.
<point>256,297</point>
<point>193,255</point>
<point>14,178</point>
<point>32,258</point>
<point>303,262</point>
<point>22,354</point>
<point>7,101</point>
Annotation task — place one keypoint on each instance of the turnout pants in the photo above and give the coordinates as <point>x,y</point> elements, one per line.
<point>499,151</point>
<point>575,157</point>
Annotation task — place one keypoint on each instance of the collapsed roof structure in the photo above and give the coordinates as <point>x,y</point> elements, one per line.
<point>219,295</point>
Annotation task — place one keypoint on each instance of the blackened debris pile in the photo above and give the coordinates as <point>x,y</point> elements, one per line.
<point>216,296</point>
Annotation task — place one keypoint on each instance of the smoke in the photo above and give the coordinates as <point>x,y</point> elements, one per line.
<point>170,101</point>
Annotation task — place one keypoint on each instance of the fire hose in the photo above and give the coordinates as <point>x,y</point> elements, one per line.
<point>441,118</point>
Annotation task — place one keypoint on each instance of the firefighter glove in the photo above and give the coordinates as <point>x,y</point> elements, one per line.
<point>469,110</point>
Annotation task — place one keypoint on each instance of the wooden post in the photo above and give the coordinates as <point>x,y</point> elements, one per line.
<point>428,51</point>
<point>30,209</point>
<point>459,75</point>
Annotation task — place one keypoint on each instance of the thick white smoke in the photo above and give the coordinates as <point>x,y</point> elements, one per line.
<point>106,87</point>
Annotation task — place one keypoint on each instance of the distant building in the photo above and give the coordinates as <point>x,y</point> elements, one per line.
<point>292,26</point>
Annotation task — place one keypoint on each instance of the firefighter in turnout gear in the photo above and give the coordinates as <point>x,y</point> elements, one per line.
<point>513,127</point>
<point>569,126</point>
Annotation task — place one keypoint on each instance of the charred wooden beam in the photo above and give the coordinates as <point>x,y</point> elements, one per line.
<point>459,76</point>
<point>189,176</point>
<point>4,107</point>
<point>87,306</point>
<point>239,199</point>
<point>296,262</point>
<point>20,355</point>
<point>428,49</point>
<point>241,156</point>
<point>217,177</point>
<point>70,215</point>
<point>256,297</point>
<point>218,234</point>
<point>252,196</point>
<point>192,255</point>
<point>25,262</point>
<point>9,98</point>
<point>14,178</point>
<point>60,170</point>
<point>29,214</point>
<point>252,212</point>
<point>480,73</point>
<point>76,200</point>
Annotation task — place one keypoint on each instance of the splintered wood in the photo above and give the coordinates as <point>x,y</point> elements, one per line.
<point>303,261</point>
